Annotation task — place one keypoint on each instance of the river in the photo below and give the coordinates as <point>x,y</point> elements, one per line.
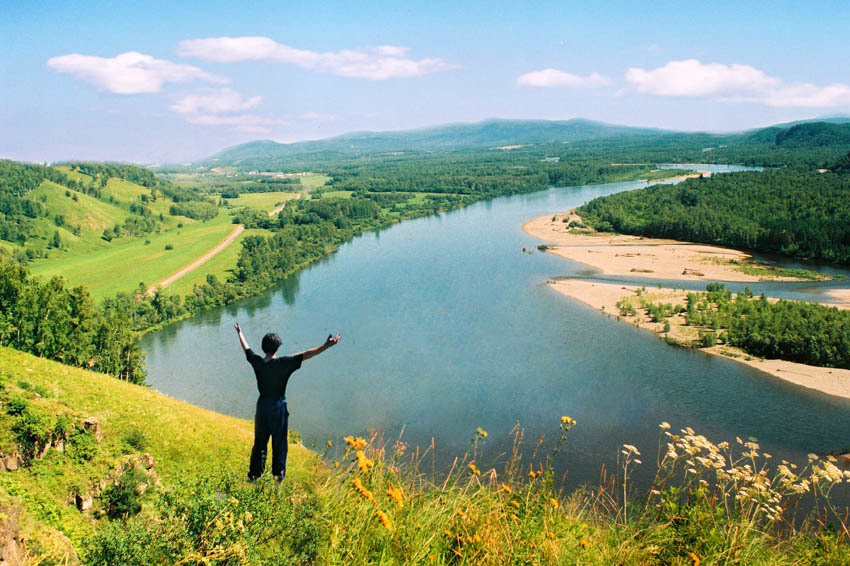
<point>448,326</point>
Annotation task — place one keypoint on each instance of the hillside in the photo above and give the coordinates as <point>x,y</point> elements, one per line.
<point>487,134</point>
<point>104,472</point>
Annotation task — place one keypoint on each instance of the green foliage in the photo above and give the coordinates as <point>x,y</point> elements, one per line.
<point>51,321</point>
<point>136,439</point>
<point>122,499</point>
<point>217,519</point>
<point>782,211</point>
<point>82,445</point>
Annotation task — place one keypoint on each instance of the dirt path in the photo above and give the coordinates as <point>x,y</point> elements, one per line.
<point>207,256</point>
<point>198,262</point>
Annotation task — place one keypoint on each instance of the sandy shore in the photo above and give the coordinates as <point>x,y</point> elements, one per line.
<point>635,256</point>
<point>605,296</point>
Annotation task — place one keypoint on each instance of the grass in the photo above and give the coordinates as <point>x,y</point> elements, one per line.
<point>185,442</point>
<point>129,261</point>
<point>372,503</point>
<point>262,201</point>
<point>314,181</point>
<point>222,265</point>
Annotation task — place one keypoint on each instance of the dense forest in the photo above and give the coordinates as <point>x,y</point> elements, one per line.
<point>806,333</point>
<point>802,214</point>
<point>49,320</point>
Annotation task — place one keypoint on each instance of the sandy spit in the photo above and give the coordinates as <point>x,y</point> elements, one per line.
<point>605,296</point>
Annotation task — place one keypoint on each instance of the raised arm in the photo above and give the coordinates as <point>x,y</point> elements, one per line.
<point>242,341</point>
<point>332,340</point>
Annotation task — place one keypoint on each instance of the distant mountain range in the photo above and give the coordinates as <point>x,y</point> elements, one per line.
<point>502,133</point>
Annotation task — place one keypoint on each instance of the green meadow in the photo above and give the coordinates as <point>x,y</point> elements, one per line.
<point>126,262</point>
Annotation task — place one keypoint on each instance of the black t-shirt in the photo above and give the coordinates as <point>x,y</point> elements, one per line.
<point>273,374</point>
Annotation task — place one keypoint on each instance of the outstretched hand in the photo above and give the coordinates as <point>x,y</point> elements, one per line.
<point>331,340</point>
<point>237,327</point>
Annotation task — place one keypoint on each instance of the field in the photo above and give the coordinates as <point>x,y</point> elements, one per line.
<point>126,262</point>
<point>263,201</point>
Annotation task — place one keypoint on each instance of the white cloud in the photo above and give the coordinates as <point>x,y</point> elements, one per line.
<point>215,101</point>
<point>129,73</point>
<point>555,78</point>
<point>734,83</point>
<point>379,63</point>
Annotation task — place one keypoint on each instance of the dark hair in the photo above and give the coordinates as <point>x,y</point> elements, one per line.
<point>271,342</point>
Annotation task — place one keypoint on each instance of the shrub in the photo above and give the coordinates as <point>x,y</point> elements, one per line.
<point>122,499</point>
<point>82,445</point>
<point>136,439</point>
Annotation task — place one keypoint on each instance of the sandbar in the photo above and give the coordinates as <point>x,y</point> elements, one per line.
<point>636,256</point>
<point>605,296</point>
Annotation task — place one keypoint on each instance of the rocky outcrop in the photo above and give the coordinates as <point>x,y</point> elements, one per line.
<point>13,549</point>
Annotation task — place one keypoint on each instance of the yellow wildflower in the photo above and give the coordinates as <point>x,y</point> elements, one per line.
<point>514,517</point>
<point>584,543</point>
<point>364,463</point>
<point>695,558</point>
<point>396,494</point>
<point>506,488</point>
<point>476,538</point>
<point>515,503</point>
<point>357,443</point>
<point>481,432</point>
<point>330,443</point>
<point>568,421</point>
<point>531,474</point>
<point>460,513</point>
<point>473,469</point>
<point>385,520</point>
<point>361,489</point>
<point>448,533</point>
<point>554,502</point>
<point>336,463</point>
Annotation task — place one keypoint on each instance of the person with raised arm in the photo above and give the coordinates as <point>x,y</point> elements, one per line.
<point>271,419</point>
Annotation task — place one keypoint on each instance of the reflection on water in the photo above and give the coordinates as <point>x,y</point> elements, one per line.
<point>447,326</point>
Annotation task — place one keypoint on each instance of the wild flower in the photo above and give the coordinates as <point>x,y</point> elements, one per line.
<point>473,469</point>
<point>361,489</point>
<point>506,488</point>
<point>396,495</point>
<point>330,444</point>
<point>554,502</point>
<point>356,443</point>
<point>481,432</point>
<point>584,543</point>
<point>385,520</point>
<point>694,558</point>
<point>365,464</point>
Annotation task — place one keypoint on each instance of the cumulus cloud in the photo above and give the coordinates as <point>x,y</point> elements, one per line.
<point>129,73</point>
<point>733,83</point>
<point>555,78</point>
<point>378,63</point>
<point>215,101</point>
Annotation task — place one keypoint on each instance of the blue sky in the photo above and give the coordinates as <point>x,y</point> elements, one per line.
<point>173,81</point>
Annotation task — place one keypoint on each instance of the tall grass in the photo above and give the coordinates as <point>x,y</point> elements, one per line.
<point>374,504</point>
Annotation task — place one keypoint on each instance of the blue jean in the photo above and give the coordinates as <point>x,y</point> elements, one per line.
<point>269,420</point>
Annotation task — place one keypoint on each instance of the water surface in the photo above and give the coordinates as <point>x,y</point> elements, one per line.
<point>447,325</point>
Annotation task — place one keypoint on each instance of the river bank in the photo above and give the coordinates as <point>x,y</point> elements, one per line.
<point>636,256</point>
<point>605,296</point>
<point>633,256</point>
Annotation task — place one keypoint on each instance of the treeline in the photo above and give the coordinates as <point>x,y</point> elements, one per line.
<point>17,211</point>
<point>802,214</point>
<point>806,333</point>
<point>49,320</point>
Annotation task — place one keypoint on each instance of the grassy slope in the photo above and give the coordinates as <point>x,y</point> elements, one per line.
<point>183,439</point>
<point>128,261</point>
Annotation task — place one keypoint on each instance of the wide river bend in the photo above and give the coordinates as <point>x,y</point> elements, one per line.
<point>448,326</point>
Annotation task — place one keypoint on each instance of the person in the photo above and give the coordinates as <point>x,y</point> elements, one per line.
<point>272,373</point>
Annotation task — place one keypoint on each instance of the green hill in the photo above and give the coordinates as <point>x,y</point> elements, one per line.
<point>487,134</point>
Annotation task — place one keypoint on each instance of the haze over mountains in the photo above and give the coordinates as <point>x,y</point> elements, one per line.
<point>502,134</point>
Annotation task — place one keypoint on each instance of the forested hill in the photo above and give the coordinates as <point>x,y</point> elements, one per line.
<point>803,214</point>
<point>816,134</point>
<point>490,133</point>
